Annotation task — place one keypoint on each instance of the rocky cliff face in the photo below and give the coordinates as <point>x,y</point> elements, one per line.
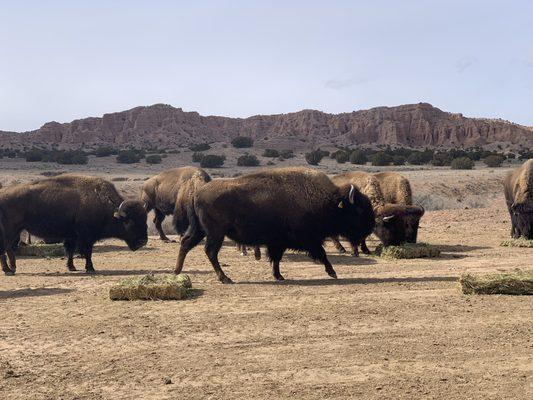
<point>160,125</point>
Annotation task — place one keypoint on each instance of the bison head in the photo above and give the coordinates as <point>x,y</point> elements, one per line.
<point>522,214</point>
<point>396,224</point>
<point>356,220</point>
<point>131,215</point>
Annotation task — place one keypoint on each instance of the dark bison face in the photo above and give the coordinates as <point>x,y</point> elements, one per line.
<point>357,218</point>
<point>131,215</point>
<point>522,216</point>
<point>397,224</point>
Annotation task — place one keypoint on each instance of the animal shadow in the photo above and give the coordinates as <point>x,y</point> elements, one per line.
<point>353,281</point>
<point>29,292</point>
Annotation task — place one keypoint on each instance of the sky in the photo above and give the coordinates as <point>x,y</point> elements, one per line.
<point>63,60</point>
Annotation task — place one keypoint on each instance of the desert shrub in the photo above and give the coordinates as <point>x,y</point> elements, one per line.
<point>197,157</point>
<point>358,157</point>
<point>105,151</point>
<point>494,160</point>
<point>271,153</point>
<point>71,157</point>
<point>34,155</point>
<point>247,160</point>
<point>286,154</point>
<point>526,155</point>
<point>314,157</point>
<point>398,160</point>
<point>200,147</point>
<point>341,156</point>
<point>154,159</point>
<point>128,157</point>
<point>511,156</point>
<point>462,163</point>
<point>380,159</point>
<point>271,162</point>
<point>242,142</point>
<point>416,158</point>
<point>441,159</point>
<point>212,161</point>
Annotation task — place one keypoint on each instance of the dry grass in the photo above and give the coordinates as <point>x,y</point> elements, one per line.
<point>408,250</point>
<point>41,250</point>
<point>520,242</point>
<point>516,283</point>
<point>152,287</point>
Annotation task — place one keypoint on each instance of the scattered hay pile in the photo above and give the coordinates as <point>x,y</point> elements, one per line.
<point>41,250</point>
<point>408,250</point>
<point>152,287</point>
<point>519,282</point>
<point>520,242</point>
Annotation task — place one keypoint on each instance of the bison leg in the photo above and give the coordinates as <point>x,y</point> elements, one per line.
<point>86,251</point>
<point>190,239</point>
<point>275,255</point>
<point>70,248</point>
<point>212,247</point>
<point>257,252</point>
<point>12,259</point>
<point>338,245</point>
<point>364,248</point>
<point>242,248</point>
<point>158,220</point>
<point>5,268</point>
<point>318,253</point>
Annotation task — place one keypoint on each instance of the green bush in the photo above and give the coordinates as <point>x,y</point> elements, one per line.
<point>197,157</point>
<point>462,163</point>
<point>34,155</point>
<point>271,153</point>
<point>341,156</point>
<point>71,157</point>
<point>381,159</point>
<point>129,157</point>
<point>494,160</point>
<point>212,161</point>
<point>314,157</point>
<point>154,159</point>
<point>416,158</point>
<point>105,151</point>
<point>398,160</point>
<point>358,157</point>
<point>247,160</point>
<point>242,142</point>
<point>441,159</point>
<point>200,147</point>
<point>286,154</point>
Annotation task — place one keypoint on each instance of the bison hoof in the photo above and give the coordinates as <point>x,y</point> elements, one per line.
<point>279,278</point>
<point>342,251</point>
<point>224,279</point>
<point>90,271</point>
<point>9,272</point>
<point>355,254</point>
<point>333,274</point>
<point>258,258</point>
<point>169,241</point>
<point>71,268</point>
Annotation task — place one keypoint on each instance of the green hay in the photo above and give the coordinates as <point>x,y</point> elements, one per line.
<point>515,283</point>
<point>520,242</point>
<point>41,250</point>
<point>152,287</point>
<point>408,250</point>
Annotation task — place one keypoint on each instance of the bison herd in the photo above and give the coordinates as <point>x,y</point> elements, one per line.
<point>283,208</point>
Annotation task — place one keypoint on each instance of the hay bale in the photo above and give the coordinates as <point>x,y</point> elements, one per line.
<point>408,250</point>
<point>152,287</point>
<point>520,242</point>
<point>515,283</point>
<point>41,250</point>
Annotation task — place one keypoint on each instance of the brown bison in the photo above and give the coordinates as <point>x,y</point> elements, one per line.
<point>518,188</point>
<point>392,220</point>
<point>77,209</point>
<point>286,208</point>
<point>170,192</point>
<point>396,189</point>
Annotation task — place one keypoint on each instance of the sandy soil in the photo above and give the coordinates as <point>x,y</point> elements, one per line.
<point>383,330</point>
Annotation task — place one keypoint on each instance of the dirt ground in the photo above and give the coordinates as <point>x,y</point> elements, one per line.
<point>383,330</point>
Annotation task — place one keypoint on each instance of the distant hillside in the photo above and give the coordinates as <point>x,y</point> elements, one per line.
<point>160,125</point>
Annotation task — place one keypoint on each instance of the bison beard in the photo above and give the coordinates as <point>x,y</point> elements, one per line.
<point>294,208</point>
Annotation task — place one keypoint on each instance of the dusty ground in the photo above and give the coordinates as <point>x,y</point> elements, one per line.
<point>384,329</point>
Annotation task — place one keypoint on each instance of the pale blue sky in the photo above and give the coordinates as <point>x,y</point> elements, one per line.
<point>61,60</point>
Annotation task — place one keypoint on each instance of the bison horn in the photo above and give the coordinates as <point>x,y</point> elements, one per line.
<point>351,195</point>
<point>388,217</point>
<point>120,212</point>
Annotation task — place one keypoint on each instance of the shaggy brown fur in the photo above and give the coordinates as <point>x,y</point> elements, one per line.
<point>286,208</point>
<point>171,192</point>
<point>77,209</point>
<point>518,189</point>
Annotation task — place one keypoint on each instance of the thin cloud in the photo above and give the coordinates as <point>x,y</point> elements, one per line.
<point>464,63</point>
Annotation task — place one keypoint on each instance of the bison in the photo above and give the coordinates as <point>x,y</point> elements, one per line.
<point>518,189</point>
<point>391,219</point>
<point>286,208</point>
<point>169,193</point>
<point>79,210</point>
<point>396,189</point>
